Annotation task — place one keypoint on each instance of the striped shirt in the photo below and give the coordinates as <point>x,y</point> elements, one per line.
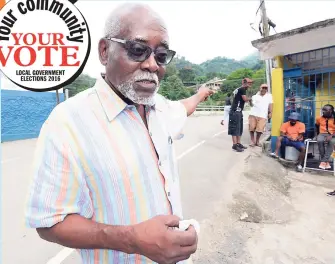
<point>96,158</point>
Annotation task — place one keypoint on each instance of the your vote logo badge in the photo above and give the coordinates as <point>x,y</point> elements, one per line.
<point>44,44</point>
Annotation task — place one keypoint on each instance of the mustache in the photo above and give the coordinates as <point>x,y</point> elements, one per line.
<point>147,76</point>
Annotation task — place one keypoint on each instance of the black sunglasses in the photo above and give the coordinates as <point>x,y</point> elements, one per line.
<point>264,88</point>
<point>140,52</point>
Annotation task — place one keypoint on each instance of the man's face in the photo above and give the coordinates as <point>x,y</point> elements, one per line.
<point>138,81</point>
<point>248,84</point>
<point>263,89</point>
<point>327,111</point>
<point>293,122</point>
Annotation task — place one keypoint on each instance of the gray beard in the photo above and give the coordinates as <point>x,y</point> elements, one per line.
<point>127,90</point>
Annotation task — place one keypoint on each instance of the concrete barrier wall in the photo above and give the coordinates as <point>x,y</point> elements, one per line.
<point>24,112</point>
<point>207,113</point>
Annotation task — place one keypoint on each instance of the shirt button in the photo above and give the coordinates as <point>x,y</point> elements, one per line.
<point>150,134</point>
<point>160,163</point>
<point>169,194</point>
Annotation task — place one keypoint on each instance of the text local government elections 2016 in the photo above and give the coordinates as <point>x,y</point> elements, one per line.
<point>72,22</point>
<point>40,72</point>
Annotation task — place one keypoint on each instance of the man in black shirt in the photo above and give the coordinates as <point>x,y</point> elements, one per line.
<point>235,127</point>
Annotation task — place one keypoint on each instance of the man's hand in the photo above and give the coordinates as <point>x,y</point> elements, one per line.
<point>156,240</point>
<point>269,115</point>
<point>204,93</point>
<point>192,102</point>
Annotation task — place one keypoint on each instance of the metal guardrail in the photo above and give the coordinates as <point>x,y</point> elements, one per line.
<point>209,108</point>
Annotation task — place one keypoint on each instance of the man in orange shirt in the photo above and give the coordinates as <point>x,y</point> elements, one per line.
<point>292,134</point>
<point>325,129</point>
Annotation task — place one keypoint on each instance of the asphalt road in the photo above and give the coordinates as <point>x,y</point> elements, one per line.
<point>205,157</point>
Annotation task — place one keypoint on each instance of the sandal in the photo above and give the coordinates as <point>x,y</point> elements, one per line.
<point>252,144</point>
<point>274,155</point>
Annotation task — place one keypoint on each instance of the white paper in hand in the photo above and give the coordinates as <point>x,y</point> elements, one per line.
<point>184,225</point>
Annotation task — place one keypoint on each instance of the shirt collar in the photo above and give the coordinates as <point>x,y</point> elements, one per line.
<point>111,103</point>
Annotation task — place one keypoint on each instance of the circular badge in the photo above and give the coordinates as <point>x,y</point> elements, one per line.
<point>44,44</point>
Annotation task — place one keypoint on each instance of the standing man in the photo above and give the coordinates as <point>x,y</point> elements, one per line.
<point>105,175</point>
<point>235,127</point>
<point>261,111</point>
<point>325,129</point>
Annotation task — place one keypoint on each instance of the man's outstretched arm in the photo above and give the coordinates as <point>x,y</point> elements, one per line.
<point>192,102</point>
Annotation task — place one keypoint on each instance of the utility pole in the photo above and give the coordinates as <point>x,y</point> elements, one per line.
<point>266,33</point>
<point>57,96</point>
<point>265,21</point>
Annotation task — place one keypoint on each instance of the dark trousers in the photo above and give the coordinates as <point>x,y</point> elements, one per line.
<point>235,126</point>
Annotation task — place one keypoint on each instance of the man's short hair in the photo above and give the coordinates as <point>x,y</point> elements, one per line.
<point>247,80</point>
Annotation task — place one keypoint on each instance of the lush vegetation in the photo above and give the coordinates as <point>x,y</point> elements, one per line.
<point>82,83</point>
<point>182,77</point>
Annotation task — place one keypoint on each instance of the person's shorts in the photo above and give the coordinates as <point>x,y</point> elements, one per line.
<point>257,124</point>
<point>235,126</point>
<point>289,143</point>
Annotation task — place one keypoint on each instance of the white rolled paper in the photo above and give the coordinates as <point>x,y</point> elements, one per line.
<point>184,225</point>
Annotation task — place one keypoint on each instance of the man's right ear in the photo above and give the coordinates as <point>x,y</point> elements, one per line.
<point>103,51</point>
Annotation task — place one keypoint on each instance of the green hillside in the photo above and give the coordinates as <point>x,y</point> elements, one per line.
<point>222,65</point>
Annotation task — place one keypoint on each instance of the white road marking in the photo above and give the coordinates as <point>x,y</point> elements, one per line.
<point>65,252</point>
<point>190,149</point>
<point>219,133</point>
<point>62,255</point>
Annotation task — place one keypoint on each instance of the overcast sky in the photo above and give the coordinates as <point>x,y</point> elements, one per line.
<point>202,30</point>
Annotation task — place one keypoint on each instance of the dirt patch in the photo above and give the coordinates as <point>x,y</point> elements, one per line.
<point>267,171</point>
<point>263,196</point>
<point>247,210</point>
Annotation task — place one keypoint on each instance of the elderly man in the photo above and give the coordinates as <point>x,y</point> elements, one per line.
<point>260,112</point>
<point>235,126</point>
<point>292,134</point>
<point>106,180</point>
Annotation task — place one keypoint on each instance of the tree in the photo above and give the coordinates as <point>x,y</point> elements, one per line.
<point>240,74</point>
<point>211,75</point>
<point>201,79</point>
<point>173,88</point>
<point>187,74</point>
<point>171,69</point>
<point>83,82</point>
<point>259,78</point>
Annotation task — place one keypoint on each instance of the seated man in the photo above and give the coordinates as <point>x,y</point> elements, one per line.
<point>325,130</point>
<point>292,134</point>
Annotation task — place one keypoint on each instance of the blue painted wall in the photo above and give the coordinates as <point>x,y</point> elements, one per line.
<point>23,113</point>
